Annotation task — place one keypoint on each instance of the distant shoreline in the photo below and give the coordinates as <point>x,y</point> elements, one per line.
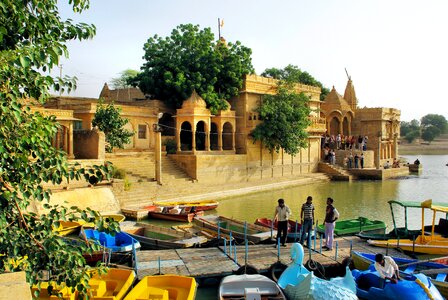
<point>437,147</point>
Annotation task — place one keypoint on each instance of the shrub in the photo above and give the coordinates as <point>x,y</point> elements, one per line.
<point>171,146</point>
<point>118,173</point>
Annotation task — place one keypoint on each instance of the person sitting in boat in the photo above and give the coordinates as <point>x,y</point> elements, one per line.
<point>396,163</point>
<point>387,268</point>
<point>417,162</point>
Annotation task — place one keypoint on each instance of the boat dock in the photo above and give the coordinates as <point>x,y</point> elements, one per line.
<point>217,262</point>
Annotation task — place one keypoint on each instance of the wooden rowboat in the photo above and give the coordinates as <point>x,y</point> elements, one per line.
<point>254,233</point>
<point>153,237</point>
<point>200,205</point>
<point>185,214</point>
<point>293,226</point>
<point>354,226</point>
<point>164,287</point>
<point>120,242</point>
<point>68,227</point>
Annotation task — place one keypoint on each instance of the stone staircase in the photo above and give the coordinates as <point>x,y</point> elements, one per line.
<point>335,172</point>
<point>139,166</point>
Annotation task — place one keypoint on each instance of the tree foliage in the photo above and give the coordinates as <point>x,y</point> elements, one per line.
<point>407,127</point>
<point>190,59</point>
<point>435,120</point>
<point>107,118</point>
<point>285,117</point>
<point>125,79</point>
<point>32,39</point>
<point>429,133</point>
<point>294,74</point>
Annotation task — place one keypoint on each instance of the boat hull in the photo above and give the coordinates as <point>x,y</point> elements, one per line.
<point>121,242</point>
<point>293,227</point>
<point>254,233</point>
<point>199,205</point>
<point>354,226</point>
<point>435,245</point>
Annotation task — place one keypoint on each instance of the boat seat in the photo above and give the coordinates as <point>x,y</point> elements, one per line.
<point>252,294</point>
<point>106,240</point>
<point>410,269</point>
<point>158,209</point>
<point>175,211</point>
<point>441,277</point>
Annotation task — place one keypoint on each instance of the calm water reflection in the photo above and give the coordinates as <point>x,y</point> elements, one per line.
<point>353,199</point>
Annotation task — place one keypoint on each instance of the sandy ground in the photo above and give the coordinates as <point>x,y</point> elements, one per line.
<point>438,146</point>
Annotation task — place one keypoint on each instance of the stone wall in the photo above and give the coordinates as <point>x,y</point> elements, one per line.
<point>89,144</point>
<point>14,286</point>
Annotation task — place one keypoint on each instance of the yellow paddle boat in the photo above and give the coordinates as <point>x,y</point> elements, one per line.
<point>164,287</point>
<point>110,286</point>
<point>431,243</point>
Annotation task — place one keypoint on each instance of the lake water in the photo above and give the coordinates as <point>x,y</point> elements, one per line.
<point>352,199</point>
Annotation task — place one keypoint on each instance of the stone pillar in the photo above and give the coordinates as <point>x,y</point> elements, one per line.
<point>378,162</point>
<point>233,140</point>
<point>341,126</point>
<point>193,140</point>
<point>207,141</point>
<point>395,145</point>
<point>178,139</point>
<point>70,142</point>
<point>158,157</point>
<point>220,139</point>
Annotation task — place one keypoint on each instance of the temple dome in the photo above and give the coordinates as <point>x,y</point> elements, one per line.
<point>195,101</point>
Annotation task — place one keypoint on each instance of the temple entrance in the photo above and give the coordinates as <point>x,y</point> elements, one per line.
<point>214,137</point>
<point>227,137</point>
<point>186,137</point>
<point>168,125</point>
<point>345,127</point>
<point>200,136</point>
<point>334,126</point>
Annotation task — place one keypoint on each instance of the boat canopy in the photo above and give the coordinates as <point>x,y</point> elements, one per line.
<point>417,204</point>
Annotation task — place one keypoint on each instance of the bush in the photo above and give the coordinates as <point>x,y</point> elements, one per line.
<point>171,146</point>
<point>118,173</point>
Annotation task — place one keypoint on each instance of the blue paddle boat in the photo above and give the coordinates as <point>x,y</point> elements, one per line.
<point>416,286</point>
<point>120,242</point>
<point>299,283</point>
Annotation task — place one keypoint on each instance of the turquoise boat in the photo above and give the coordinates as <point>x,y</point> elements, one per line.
<point>299,283</point>
<point>354,226</point>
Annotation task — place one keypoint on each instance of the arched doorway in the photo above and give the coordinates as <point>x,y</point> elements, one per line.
<point>214,137</point>
<point>227,137</point>
<point>345,127</point>
<point>168,125</point>
<point>200,136</point>
<point>186,135</point>
<point>334,126</point>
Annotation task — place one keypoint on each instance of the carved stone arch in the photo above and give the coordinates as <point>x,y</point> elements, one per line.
<point>186,136</point>
<point>227,136</point>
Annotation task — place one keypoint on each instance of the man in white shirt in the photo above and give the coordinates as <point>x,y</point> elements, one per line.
<point>282,213</point>
<point>331,215</point>
<point>387,268</point>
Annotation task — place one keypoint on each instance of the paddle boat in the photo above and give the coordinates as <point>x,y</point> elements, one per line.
<point>299,283</point>
<point>240,230</point>
<point>435,271</point>
<point>293,227</point>
<point>199,205</point>
<point>404,232</point>
<point>178,214</point>
<point>428,244</point>
<point>354,226</point>
<point>120,242</point>
<point>164,287</point>
<point>153,237</point>
<point>411,287</point>
<point>239,287</point>
<point>110,286</point>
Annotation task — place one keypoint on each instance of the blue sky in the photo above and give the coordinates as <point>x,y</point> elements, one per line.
<point>395,51</point>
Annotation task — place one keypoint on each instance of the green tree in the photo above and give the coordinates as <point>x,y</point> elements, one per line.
<point>429,133</point>
<point>285,118</point>
<point>32,39</point>
<point>125,79</point>
<point>407,127</point>
<point>190,59</point>
<point>435,120</point>
<point>412,135</point>
<point>107,118</point>
<point>294,74</point>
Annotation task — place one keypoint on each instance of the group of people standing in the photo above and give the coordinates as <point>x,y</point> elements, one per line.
<point>307,220</point>
<point>341,142</point>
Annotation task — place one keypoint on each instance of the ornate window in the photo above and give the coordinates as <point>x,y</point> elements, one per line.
<point>142,131</point>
